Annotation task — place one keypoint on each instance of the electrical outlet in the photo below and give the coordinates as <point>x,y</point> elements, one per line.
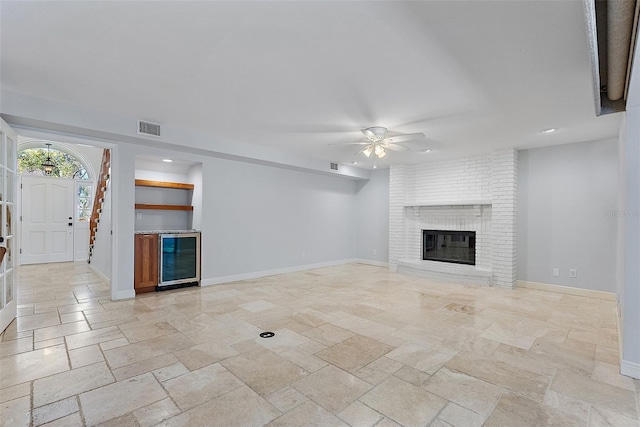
<point>139,215</point>
<point>375,252</point>
<point>556,272</point>
<point>573,273</point>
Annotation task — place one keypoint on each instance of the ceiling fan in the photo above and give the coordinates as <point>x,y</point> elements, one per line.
<point>378,141</point>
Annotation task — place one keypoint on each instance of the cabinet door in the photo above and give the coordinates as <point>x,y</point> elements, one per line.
<point>146,260</point>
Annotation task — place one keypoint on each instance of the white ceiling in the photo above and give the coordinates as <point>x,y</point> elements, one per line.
<point>473,76</point>
<point>157,164</point>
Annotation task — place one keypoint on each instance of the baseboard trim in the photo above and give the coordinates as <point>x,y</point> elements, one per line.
<point>619,329</point>
<point>126,294</point>
<point>275,272</point>
<point>372,262</point>
<point>100,274</point>
<point>630,369</point>
<point>589,293</point>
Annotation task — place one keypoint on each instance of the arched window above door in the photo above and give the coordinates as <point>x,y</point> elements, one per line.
<point>65,165</point>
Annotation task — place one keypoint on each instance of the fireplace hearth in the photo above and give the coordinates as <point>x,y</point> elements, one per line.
<point>449,246</point>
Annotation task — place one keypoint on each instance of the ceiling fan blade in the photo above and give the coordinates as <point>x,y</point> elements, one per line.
<point>395,147</point>
<point>407,137</point>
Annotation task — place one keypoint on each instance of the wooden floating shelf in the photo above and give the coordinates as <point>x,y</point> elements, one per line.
<point>436,203</point>
<point>164,207</point>
<point>163,184</point>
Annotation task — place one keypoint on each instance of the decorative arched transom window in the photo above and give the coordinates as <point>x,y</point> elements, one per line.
<point>38,160</point>
<point>31,161</point>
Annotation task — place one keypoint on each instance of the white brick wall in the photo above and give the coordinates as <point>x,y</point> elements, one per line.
<point>461,179</point>
<point>504,197</point>
<point>397,217</point>
<point>490,177</point>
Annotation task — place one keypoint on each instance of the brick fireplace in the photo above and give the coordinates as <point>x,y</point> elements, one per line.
<point>475,194</point>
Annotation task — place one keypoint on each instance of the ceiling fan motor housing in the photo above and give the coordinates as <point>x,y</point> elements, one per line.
<point>379,131</point>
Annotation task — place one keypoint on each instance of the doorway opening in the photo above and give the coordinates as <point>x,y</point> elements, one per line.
<point>56,203</point>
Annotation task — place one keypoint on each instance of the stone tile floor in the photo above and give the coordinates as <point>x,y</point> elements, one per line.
<point>354,345</point>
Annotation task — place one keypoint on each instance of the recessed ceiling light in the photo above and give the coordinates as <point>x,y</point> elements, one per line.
<point>354,163</point>
<point>550,130</point>
<point>167,160</point>
<point>426,150</point>
<point>375,166</point>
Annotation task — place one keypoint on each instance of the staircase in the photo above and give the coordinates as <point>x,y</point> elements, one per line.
<point>98,201</point>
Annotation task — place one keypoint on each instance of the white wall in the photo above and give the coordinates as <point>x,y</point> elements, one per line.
<point>152,175</point>
<point>566,214</point>
<point>629,273</point>
<point>372,219</point>
<point>123,201</point>
<point>259,218</point>
<point>621,207</point>
<point>194,176</point>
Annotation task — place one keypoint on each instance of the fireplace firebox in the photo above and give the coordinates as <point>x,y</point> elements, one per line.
<point>449,246</point>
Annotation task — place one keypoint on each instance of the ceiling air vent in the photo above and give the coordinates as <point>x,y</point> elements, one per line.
<point>148,128</point>
<point>334,166</point>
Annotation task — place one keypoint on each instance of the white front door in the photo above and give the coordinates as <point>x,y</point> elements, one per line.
<point>47,219</point>
<point>8,184</point>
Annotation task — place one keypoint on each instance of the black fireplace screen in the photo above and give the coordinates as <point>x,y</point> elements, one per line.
<point>449,246</point>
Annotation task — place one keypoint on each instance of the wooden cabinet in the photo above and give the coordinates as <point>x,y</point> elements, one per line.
<point>146,263</point>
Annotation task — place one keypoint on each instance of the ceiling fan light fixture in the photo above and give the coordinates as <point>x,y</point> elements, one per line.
<point>378,142</point>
